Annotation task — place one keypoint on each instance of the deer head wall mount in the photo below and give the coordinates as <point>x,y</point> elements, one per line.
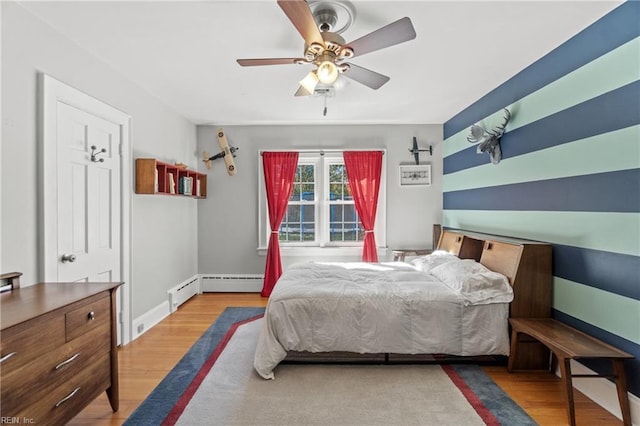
<point>489,140</point>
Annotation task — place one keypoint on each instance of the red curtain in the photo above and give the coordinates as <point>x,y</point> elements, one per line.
<point>363,171</point>
<point>279,173</point>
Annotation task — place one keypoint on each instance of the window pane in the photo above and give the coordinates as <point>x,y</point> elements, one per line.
<point>337,178</point>
<point>290,232</point>
<point>308,223</point>
<point>350,213</point>
<point>349,235</point>
<point>307,213</point>
<point>335,231</point>
<point>304,183</point>
<point>298,224</point>
<point>337,173</point>
<point>344,223</point>
<point>293,213</point>
<point>335,213</point>
<point>295,192</point>
<point>305,173</point>
<point>308,191</point>
<point>353,232</point>
<point>336,191</point>
<point>308,231</point>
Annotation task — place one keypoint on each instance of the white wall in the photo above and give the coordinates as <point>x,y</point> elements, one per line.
<point>227,219</point>
<point>174,238</point>
<point>164,229</point>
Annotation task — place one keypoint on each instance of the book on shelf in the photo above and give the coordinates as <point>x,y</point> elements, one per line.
<point>172,184</point>
<point>155,181</point>
<point>188,184</point>
<point>198,187</point>
<point>184,185</point>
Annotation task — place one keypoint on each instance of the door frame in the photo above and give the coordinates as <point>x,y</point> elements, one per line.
<point>52,91</point>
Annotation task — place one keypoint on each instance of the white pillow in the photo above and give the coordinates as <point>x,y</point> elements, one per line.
<point>430,261</point>
<point>475,282</point>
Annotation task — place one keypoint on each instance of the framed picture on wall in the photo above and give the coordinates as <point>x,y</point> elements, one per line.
<point>415,175</point>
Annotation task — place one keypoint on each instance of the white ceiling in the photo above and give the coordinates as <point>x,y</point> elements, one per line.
<point>184,52</point>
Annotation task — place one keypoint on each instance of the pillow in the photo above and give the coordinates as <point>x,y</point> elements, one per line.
<point>430,261</point>
<point>474,282</point>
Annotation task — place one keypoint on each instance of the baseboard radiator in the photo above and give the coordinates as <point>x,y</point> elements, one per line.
<point>183,292</point>
<point>232,283</point>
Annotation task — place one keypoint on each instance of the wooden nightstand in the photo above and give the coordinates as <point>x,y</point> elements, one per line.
<point>399,254</point>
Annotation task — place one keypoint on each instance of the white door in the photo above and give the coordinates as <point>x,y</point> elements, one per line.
<point>88,197</point>
<point>85,192</point>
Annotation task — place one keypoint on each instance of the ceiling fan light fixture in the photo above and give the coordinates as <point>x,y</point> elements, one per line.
<point>346,52</point>
<point>343,68</point>
<point>327,72</point>
<point>313,50</point>
<point>310,82</point>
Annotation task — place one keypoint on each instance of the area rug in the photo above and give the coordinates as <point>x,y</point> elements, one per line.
<point>214,384</point>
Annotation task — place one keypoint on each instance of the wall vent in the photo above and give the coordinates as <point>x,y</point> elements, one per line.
<point>241,283</point>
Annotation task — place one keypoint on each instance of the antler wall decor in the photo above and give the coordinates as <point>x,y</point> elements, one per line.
<point>489,140</point>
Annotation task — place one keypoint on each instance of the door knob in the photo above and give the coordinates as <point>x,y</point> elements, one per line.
<point>68,258</point>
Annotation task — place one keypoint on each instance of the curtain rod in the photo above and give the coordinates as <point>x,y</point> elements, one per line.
<point>318,151</point>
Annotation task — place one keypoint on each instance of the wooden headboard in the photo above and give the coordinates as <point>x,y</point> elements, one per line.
<point>463,246</point>
<point>527,265</point>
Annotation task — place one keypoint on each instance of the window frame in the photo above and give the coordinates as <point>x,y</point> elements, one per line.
<point>322,246</point>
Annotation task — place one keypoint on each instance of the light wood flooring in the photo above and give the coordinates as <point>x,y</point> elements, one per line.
<point>144,362</point>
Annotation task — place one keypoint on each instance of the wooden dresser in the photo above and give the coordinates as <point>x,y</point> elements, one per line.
<point>57,350</point>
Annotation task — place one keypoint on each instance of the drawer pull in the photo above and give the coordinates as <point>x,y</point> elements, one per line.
<point>68,397</point>
<point>7,356</point>
<point>63,363</point>
<point>91,316</point>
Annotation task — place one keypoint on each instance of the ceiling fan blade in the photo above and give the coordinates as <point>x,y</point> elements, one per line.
<point>268,61</point>
<point>301,17</point>
<point>395,33</point>
<point>367,77</point>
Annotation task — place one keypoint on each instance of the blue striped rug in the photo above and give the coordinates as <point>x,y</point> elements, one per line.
<point>166,403</point>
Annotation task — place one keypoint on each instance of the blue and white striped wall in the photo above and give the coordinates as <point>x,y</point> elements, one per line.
<point>570,175</point>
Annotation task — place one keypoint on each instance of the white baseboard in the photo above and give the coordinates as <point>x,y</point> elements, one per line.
<point>241,283</point>
<point>183,292</point>
<point>150,319</point>
<point>603,392</point>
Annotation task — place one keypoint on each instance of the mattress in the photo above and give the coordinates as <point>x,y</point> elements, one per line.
<point>379,308</point>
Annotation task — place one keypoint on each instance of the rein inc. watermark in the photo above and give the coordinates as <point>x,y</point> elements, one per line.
<point>17,420</point>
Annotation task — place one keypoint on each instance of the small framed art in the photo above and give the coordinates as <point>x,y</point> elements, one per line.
<point>415,175</point>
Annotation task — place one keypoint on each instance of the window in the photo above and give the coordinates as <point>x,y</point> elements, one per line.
<point>321,212</point>
<point>299,222</point>
<point>344,223</point>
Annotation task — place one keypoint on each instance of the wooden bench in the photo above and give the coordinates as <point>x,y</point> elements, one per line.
<point>567,343</point>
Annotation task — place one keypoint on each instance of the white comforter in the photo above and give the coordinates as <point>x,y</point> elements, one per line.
<point>377,308</point>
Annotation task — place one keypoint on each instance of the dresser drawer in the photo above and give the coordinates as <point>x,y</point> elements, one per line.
<point>80,320</point>
<point>58,348</point>
<point>25,342</point>
<point>71,396</point>
<point>28,384</point>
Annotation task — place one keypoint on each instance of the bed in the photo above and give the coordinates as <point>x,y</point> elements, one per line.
<point>456,301</point>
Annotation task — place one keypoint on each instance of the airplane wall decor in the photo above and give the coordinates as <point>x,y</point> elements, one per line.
<point>416,151</point>
<point>228,153</point>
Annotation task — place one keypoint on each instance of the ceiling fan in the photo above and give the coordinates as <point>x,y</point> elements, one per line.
<point>327,50</point>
